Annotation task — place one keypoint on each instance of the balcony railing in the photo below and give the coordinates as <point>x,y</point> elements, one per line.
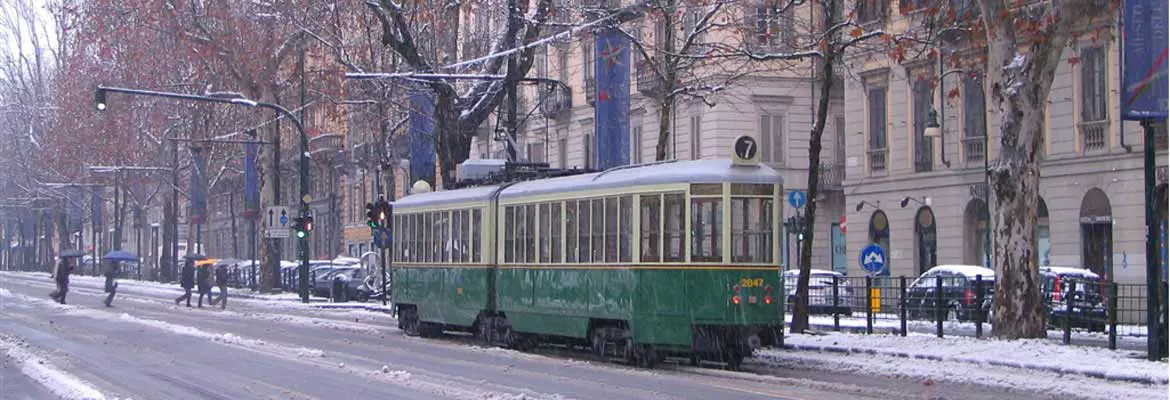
<point>974,150</point>
<point>590,89</point>
<point>832,176</point>
<point>877,161</point>
<point>556,101</point>
<point>1094,137</point>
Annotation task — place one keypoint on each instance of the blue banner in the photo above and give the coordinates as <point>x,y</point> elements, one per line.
<point>251,181</point>
<point>198,211</point>
<point>612,108</point>
<point>422,138</point>
<point>75,208</point>
<point>1144,60</point>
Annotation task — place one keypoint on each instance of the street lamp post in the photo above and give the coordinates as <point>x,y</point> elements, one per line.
<point>303,242</point>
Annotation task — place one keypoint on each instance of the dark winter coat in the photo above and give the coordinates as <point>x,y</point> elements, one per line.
<point>187,278</point>
<point>203,279</point>
<point>221,275</point>
<point>64,268</point>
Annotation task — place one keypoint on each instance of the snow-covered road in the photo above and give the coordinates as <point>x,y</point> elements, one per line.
<point>147,348</point>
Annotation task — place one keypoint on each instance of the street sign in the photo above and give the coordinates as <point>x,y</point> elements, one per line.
<point>873,259</point>
<point>797,198</point>
<point>276,222</point>
<point>382,238</point>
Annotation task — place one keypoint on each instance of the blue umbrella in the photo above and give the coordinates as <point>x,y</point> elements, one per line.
<point>120,255</point>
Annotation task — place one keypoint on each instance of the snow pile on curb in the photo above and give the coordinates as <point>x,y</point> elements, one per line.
<point>1033,364</point>
<point>1037,354</point>
<point>58,382</point>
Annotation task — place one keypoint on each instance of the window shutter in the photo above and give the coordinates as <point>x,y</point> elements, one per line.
<point>778,139</point>
<point>765,138</point>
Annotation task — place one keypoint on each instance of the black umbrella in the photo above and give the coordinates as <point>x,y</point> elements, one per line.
<point>194,256</point>
<point>120,255</point>
<point>72,253</point>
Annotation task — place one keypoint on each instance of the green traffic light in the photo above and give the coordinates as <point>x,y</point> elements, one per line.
<point>302,234</point>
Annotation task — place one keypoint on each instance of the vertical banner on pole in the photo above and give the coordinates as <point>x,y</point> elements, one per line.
<point>75,208</point>
<point>251,181</point>
<point>198,212</point>
<point>1144,61</point>
<point>422,138</point>
<point>612,109</point>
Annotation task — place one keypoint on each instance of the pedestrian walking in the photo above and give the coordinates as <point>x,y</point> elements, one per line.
<point>203,282</point>
<point>110,269</point>
<point>187,281</point>
<point>61,274</point>
<point>221,281</point>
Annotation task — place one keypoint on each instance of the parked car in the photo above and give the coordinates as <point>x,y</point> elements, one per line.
<point>356,283</point>
<point>820,291</point>
<point>1086,295</point>
<point>323,278</point>
<point>959,298</point>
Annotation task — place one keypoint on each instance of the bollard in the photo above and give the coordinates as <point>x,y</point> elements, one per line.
<point>902,302</point>
<point>1068,311</point>
<point>938,306</point>
<point>979,306</point>
<point>836,304</point>
<point>1112,315</point>
<point>869,304</point>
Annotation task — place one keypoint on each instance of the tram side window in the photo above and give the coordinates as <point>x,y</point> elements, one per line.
<point>436,242</point>
<point>444,246</point>
<point>557,232</point>
<point>465,236</point>
<point>476,231</point>
<point>584,224</point>
<point>597,241</point>
<point>458,228</point>
<point>396,250</point>
<point>651,213</point>
<point>542,232</point>
<point>530,233</point>
<point>674,215</point>
<point>626,240</point>
<point>509,239</point>
<point>751,233</point>
<point>571,231</point>
<point>416,244</point>
<point>707,227</point>
<point>612,227</point>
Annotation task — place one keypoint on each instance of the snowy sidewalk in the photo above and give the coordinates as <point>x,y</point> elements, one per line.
<point>1031,354</point>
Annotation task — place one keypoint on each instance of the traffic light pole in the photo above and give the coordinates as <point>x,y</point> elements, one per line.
<point>303,242</point>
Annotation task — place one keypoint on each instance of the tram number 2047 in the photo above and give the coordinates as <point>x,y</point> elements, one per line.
<point>751,282</point>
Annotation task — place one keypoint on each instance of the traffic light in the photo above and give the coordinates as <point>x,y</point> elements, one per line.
<point>302,226</point>
<point>383,213</point>
<point>308,221</point>
<point>372,216</point>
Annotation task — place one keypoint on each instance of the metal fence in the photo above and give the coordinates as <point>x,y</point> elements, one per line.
<point>1079,312</point>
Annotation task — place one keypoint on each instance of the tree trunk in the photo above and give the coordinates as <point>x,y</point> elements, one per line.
<point>825,79</point>
<point>1020,84</point>
<point>235,231</point>
<point>167,257</point>
<point>664,118</point>
<point>452,139</point>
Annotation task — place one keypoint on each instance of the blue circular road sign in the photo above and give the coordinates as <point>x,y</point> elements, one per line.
<point>873,259</point>
<point>797,198</point>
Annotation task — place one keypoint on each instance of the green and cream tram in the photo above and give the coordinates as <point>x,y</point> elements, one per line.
<point>638,262</point>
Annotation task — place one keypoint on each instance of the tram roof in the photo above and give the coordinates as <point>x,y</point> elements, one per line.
<point>445,197</point>
<point>691,171</point>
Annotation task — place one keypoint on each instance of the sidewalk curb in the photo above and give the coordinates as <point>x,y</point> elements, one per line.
<point>1009,364</point>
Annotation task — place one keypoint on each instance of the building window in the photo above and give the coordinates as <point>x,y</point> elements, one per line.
<point>771,28</point>
<point>696,137</point>
<point>923,104</point>
<point>877,129</point>
<point>588,138</point>
<point>871,10</point>
<point>636,143</point>
<point>1094,125</point>
<point>563,151</point>
<point>974,118</point>
<point>588,55</point>
<point>772,139</point>
<point>536,152</point>
<point>691,23</point>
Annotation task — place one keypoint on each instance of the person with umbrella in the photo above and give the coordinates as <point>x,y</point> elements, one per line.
<point>221,281</point>
<point>187,278</point>
<point>61,274</point>
<point>203,279</point>
<point>111,267</point>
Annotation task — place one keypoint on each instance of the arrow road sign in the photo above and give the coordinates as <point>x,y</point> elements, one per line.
<point>873,259</point>
<point>797,198</point>
<point>276,225</point>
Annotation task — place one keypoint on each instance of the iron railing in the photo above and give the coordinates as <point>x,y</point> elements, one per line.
<point>974,150</point>
<point>877,161</point>
<point>1094,137</point>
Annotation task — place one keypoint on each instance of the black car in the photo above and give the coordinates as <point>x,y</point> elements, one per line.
<point>959,298</point>
<point>1083,288</point>
<point>323,278</point>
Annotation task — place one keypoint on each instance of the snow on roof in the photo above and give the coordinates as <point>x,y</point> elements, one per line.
<point>694,171</point>
<point>813,272</point>
<point>967,270</point>
<point>443,197</point>
<point>1080,272</point>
